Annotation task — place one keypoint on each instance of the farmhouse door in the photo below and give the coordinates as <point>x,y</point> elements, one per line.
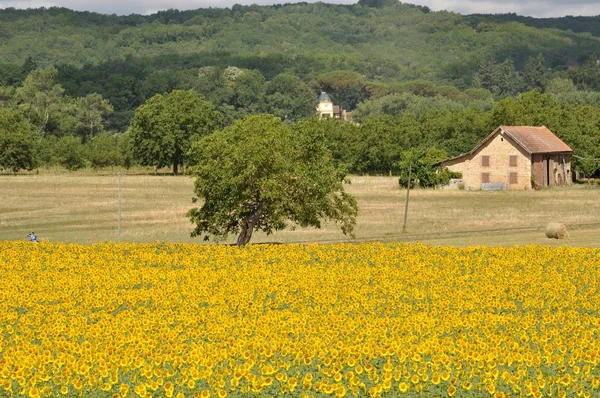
<point>549,172</point>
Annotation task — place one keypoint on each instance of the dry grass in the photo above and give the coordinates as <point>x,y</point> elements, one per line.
<point>83,208</point>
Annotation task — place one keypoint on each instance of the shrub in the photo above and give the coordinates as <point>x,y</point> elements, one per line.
<point>426,172</point>
<point>103,151</point>
<point>70,153</point>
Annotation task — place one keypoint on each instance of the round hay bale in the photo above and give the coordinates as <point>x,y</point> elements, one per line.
<point>557,230</point>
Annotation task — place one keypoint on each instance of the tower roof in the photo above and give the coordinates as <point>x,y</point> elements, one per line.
<point>324,97</point>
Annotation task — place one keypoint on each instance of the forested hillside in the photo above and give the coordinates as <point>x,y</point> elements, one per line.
<point>72,76</point>
<point>127,59</point>
<point>391,41</point>
<point>577,24</point>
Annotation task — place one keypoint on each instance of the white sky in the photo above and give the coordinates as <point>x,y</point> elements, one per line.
<point>537,8</point>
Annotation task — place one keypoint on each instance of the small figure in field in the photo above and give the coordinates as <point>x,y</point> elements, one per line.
<point>33,237</point>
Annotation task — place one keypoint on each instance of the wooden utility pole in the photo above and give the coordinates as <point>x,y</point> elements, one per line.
<point>407,197</point>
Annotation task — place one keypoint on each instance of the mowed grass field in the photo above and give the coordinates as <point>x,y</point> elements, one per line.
<point>83,208</point>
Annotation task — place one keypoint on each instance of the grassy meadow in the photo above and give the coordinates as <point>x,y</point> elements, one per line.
<point>82,208</point>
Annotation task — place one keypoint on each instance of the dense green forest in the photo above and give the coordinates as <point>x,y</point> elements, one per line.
<point>577,24</point>
<point>415,79</point>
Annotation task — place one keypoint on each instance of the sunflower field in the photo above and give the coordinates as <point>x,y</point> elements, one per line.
<point>175,320</point>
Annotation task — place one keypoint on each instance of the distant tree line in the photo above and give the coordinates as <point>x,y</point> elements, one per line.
<point>42,126</point>
<point>95,117</point>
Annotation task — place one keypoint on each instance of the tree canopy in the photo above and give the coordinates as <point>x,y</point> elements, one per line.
<point>19,143</point>
<point>164,128</point>
<point>260,175</point>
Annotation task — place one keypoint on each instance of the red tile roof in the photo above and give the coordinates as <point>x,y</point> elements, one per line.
<point>536,139</point>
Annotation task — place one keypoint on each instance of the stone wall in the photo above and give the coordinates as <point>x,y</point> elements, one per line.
<point>499,148</point>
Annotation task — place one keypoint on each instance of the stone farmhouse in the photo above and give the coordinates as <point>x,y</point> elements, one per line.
<point>326,109</point>
<point>515,158</point>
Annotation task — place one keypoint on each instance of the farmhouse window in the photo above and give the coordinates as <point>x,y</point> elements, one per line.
<point>485,178</point>
<point>485,161</point>
<point>514,178</point>
<point>513,161</point>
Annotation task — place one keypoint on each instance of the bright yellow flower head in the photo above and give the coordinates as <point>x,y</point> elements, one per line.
<point>451,390</point>
<point>403,387</point>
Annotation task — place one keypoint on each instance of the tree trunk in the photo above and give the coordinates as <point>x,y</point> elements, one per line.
<point>175,167</point>
<point>248,226</point>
